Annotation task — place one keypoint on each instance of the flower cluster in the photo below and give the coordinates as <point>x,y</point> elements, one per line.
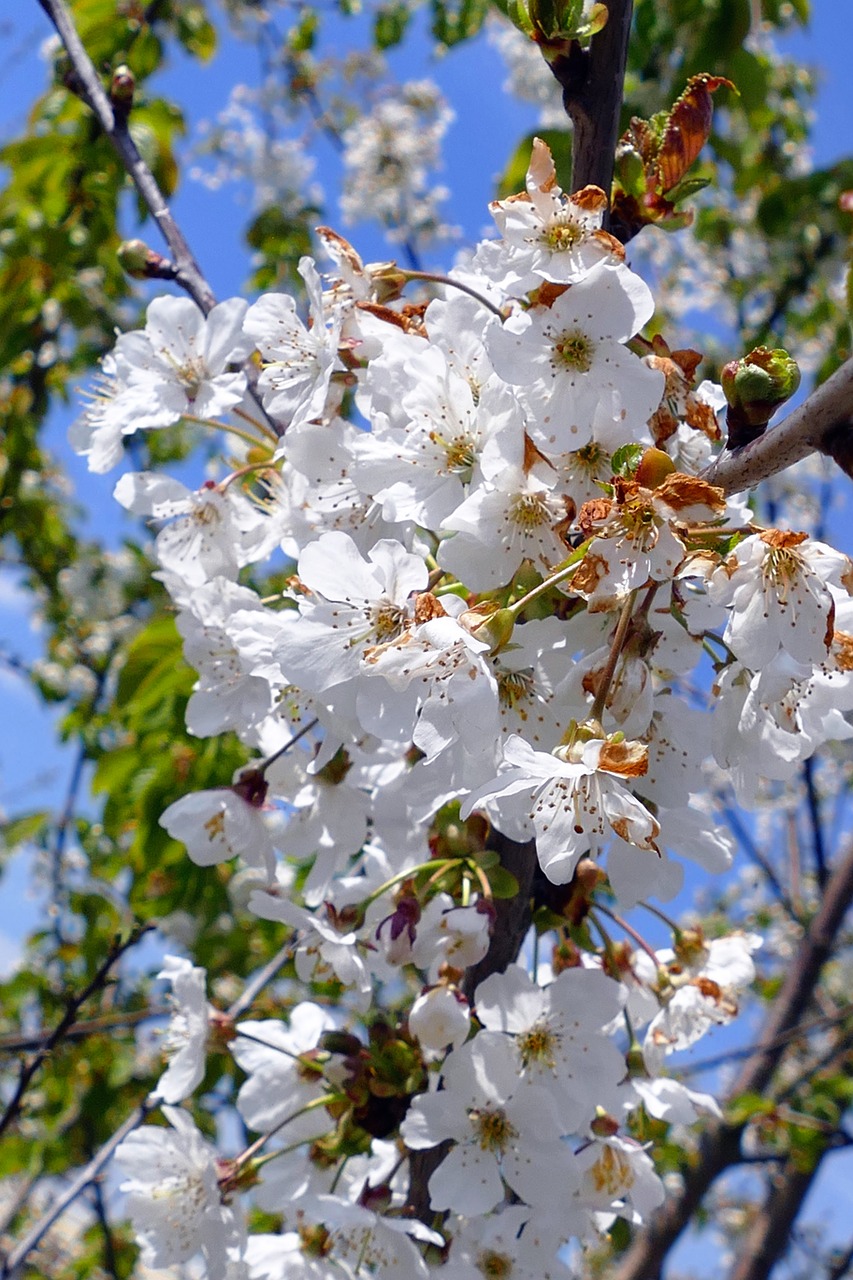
<point>507,566</point>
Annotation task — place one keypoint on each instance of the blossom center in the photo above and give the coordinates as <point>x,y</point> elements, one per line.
<point>530,510</point>
<point>537,1046</point>
<point>563,233</point>
<point>612,1172</point>
<point>515,687</point>
<point>460,455</point>
<point>494,1266</point>
<point>387,620</point>
<point>493,1130</point>
<point>574,350</point>
<point>190,372</point>
<point>215,825</point>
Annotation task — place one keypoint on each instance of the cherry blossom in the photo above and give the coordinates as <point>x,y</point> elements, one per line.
<point>173,1197</point>
<point>185,1040</point>
<point>573,801</point>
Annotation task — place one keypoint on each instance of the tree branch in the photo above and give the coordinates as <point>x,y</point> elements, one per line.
<point>512,920</point>
<point>592,81</point>
<point>188,274</point>
<point>826,412</point>
<point>719,1147</point>
<point>29,1069</point>
<point>90,1172</point>
<point>86,1175</point>
<point>767,1238</point>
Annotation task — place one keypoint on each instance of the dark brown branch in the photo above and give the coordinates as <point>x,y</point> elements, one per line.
<point>593,81</point>
<point>80,1030</point>
<point>512,921</point>
<point>840,1264</point>
<point>29,1069</point>
<point>88,83</point>
<point>512,915</point>
<point>814,426</point>
<point>768,1237</point>
<point>719,1147</point>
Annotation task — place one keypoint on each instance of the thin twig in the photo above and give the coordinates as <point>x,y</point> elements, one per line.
<point>188,274</point>
<point>29,1069</point>
<point>813,804</point>
<point>735,1055</point>
<point>86,1175</point>
<point>91,1171</point>
<point>720,1145</point>
<point>259,980</point>
<point>80,1030</point>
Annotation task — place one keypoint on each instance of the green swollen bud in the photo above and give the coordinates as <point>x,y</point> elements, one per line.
<point>755,387</point>
<point>122,87</point>
<point>142,263</point>
<point>636,1063</point>
<point>654,467</point>
<point>495,629</point>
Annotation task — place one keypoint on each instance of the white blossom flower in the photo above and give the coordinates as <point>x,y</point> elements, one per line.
<point>515,1244</point>
<point>501,1130</point>
<point>185,1039</point>
<point>777,585</point>
<point>173,1197</point>
<point>572,801</point>
<point>558,1034</point>
<point>221,823</point>
<point>209,532</point>
<point>571,359</point>
<point>279,1088</point>
<point>557,237</point>
<point>298,361</point>
<point>440,1018</point>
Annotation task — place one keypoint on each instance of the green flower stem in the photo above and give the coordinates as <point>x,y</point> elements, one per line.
<point>231,430</point>
<point>315,1105</point>
<point>566,568</point>
<point>455,284</point>
<point>434,863</point>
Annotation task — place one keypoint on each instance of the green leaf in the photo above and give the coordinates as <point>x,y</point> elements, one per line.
<point>195,32</point>
<point>25,829</point>
<point>457,21</point>
<point>626,460</point>
<point>513,178</point>
<point>390,25</point>
<point>503,883</point>
<point>748,1105</point>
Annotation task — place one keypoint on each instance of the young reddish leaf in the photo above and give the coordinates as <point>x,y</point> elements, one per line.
<point>687,129</point>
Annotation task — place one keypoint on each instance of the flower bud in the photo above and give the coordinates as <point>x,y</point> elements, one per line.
<point>494,629</point>
<point>143,263</point>
<point>755,387</point>
<point>440,1018</point>
<point>603,1125</point>
<point>251,786</point>
<point>122,89</point>
<point>655,466</point>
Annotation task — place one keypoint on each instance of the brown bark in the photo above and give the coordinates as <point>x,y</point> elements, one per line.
<point>767,1239</point>
<point>592,81</point>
